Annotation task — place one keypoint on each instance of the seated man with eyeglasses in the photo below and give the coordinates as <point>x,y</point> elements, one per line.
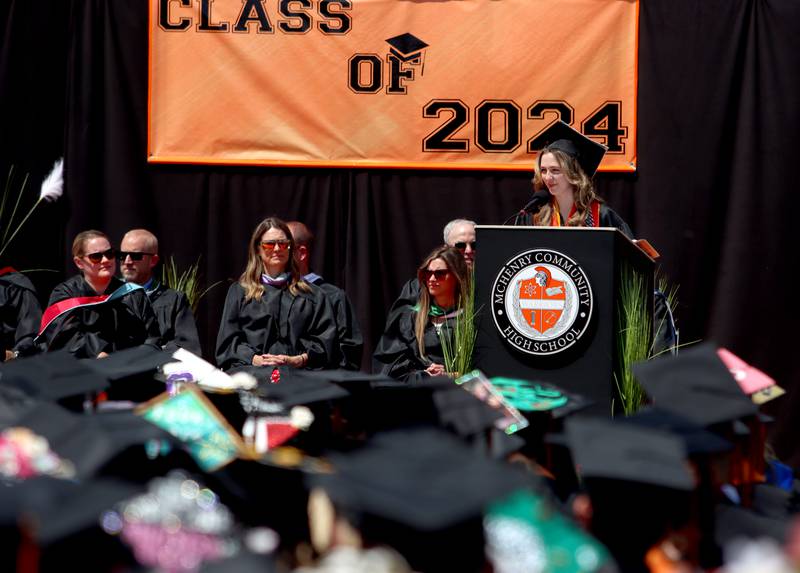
<point>458,233</point>
<point>95,313</point>
<point>138,256</point>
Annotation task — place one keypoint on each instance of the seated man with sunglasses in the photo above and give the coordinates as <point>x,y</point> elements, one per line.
<point>458,233</point>
<point>138,256</point>
<point>95,313</point>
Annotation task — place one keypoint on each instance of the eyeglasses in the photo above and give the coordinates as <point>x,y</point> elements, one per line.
<point>462,246</point>
<point>97,257</point>
<point>270,245</point>
<point>440,274</point>
<point>134,255</point>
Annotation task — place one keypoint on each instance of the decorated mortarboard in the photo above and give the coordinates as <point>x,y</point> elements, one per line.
<point>611,450</point>
<point>407,47</point>
<point>530,396</point>
<point>264,431</point>
<point>696,385</point>
<point>186,367</point>
<point>767,394</point>
<point>468,414</point>
<point>195,421</point>
<point>697,439</point>
<point>524,532</point>
<point>177,525</point>
<point>753,382</point>
<point>587,151</point>
<point>424,479</point>
<point>89,442</point>
<point>72,436</point>
<point>477,384</point>
<point>52,376</point>
<point>25,455</point>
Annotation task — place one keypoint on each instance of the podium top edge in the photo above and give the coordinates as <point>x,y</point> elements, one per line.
<point>572,230</point>
<point>559,229</point>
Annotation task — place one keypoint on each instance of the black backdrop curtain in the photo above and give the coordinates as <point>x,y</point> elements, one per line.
<point>717,119</point>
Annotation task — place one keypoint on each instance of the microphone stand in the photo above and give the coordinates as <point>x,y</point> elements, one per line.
<point>531,208</point>
<point>514,216</point>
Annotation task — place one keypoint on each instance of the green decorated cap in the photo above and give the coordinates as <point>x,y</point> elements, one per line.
<point>525,532</point>
<point>532,396</point>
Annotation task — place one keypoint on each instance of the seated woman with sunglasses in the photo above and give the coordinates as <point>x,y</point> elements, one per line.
<point>272,317</point>
<point>410,348</point>
<point>95,313</point>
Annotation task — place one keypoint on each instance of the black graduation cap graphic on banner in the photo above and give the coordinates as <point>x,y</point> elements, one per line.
<point>408,48</point>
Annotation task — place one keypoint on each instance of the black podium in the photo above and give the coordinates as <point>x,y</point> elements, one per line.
<point>548,302</point>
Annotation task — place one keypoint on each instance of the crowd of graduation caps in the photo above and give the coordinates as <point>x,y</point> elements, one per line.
<point>388,476</point>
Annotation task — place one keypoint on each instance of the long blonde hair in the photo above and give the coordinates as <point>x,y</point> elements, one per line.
<point>454,260</point>
<point>251,277</point>
<point>584,189</point>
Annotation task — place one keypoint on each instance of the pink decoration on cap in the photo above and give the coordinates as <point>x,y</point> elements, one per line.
<point>750,379</point>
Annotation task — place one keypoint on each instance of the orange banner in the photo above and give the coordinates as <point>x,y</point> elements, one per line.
<point>453,84</point>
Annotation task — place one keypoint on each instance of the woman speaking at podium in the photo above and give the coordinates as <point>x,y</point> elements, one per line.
<point>564,194</point>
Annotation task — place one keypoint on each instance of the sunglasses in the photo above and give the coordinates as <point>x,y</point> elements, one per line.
<point>135,256</point>
<point>461,245</point>
<point>97,257</point>
<point>270,245</point>
<point>440,274</point>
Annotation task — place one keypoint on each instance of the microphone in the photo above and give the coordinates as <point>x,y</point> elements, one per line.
<point>539,198</point>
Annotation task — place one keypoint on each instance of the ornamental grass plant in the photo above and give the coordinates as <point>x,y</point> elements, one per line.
<point>457,336</point>
<point>635,340</point>
<point>186,281</point>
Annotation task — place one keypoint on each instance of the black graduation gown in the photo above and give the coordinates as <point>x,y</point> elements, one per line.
<point>123,323</point>
<point>175,319</point>
<point>608,218</point>
<point>664,333</point>
<point>409,295</point>
<point>20,314</point>
<point>397,354</point>
<point>278,323</point>
<point>350,343</point>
